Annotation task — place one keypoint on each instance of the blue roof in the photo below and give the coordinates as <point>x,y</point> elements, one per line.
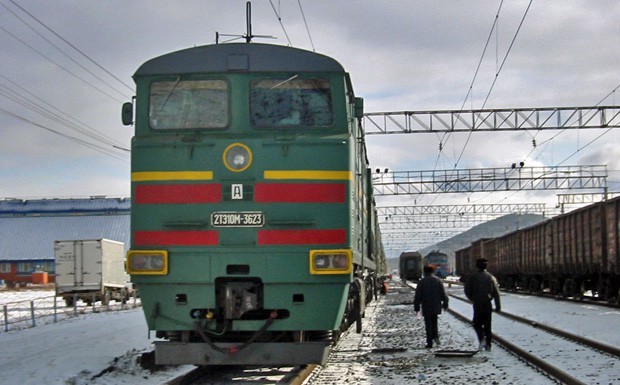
<point>12,207</point>
<point>29,228</point>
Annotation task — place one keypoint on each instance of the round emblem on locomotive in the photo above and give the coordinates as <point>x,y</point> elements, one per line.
<point>237,157</point>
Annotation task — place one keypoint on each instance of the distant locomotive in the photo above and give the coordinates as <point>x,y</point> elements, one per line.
<point>566,255</point>
<point>440,261</point>
<point>254,231</point>
<point>410,265</point>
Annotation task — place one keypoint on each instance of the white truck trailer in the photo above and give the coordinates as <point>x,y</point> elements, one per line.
<point>91,270</point>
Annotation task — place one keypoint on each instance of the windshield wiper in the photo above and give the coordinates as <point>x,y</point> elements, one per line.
<point>174,87</point>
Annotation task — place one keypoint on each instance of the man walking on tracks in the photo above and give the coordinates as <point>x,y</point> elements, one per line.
<point>481,288</point>
<point>430,293</point>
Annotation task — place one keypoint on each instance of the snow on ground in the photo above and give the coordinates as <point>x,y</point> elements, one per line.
<point>102,348</point>
<point>391,351</point>
<point>599,323</point>
<point>7,296</point>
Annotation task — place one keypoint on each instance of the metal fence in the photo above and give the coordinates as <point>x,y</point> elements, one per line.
<point>29,313</point>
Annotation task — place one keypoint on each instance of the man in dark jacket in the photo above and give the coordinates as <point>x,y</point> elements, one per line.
<point>481,288</point>
<point>430,293</point>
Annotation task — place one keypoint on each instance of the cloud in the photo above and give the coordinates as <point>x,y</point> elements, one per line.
<point>401,55</point>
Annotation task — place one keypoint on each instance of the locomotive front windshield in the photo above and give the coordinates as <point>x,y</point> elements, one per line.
<point>189,104</point>
<point>291,102</point>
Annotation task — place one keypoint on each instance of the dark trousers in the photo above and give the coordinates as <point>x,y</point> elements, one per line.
<point>482,321</point>
<point>430,324</point>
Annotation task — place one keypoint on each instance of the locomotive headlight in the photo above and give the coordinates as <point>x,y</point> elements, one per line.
<point>147,262</point>
<point>237,157</point>
<point>331,261</point>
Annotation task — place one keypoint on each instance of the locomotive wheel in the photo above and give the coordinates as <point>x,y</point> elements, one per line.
<point>601,289</point>
<point>567,289</point>
<point>555,287</point>
<point>581,290</point>
<point>358,315</point>
<point>535,286</point>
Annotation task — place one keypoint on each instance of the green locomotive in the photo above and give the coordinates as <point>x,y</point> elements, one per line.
<point>254,237</point>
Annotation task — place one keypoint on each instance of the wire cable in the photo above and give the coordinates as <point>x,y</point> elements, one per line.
<point>65,54</point>
<point>446,136</point>
<point>306,24</point>
<point>95,147</point>
<point>280,21</point>
<point>72,46</point>
<point>496,76</point>
<point>59,65</point>
<point>57,116</point>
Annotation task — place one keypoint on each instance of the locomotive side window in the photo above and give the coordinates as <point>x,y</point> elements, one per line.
<point>291,102</point>
<point>183,104</point>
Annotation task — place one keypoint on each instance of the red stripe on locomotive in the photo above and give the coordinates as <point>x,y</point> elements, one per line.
<point>300,193</point>
<point>176,238</point>
<point>302,237</point>
<point>178,193</point>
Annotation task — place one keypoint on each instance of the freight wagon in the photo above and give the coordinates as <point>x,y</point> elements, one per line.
<point>410,265</point>
<point>566,255</point>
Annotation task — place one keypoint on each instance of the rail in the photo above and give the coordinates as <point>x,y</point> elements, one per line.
<point>539,362</point>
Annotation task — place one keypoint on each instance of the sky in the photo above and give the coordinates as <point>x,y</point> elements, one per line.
<point>66,70</point>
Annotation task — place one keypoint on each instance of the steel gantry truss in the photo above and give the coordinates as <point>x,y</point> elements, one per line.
<point>403,240</point>
<point>507,119</point>
<point>449,216</point>
<point>490,179</point>
<point>507,208</point>
<point>425,220</point>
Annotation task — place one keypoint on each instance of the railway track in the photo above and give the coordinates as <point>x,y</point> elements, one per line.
<point>567,357</point>
<point>391,350</point>
<point>583,299</point>
<point>222,375</point>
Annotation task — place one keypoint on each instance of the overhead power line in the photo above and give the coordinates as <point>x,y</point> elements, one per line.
<point>280,21</point>
<point>65,54</point>
<point>496,77</point>
<point>72,46</point>
<point>59,65</point>
<point>306,24</point>
<point>93,146</point>
<point>51,112</point>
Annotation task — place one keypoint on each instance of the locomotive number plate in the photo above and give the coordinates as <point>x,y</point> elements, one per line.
<point>238,219</point>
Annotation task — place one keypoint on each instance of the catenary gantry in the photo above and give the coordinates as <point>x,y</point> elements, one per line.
<point>505,119</point>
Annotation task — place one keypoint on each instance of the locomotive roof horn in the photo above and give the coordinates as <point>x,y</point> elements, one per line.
<point>248,33</point>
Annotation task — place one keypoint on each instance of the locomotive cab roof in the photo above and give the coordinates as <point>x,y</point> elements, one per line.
<point>238,57</point>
